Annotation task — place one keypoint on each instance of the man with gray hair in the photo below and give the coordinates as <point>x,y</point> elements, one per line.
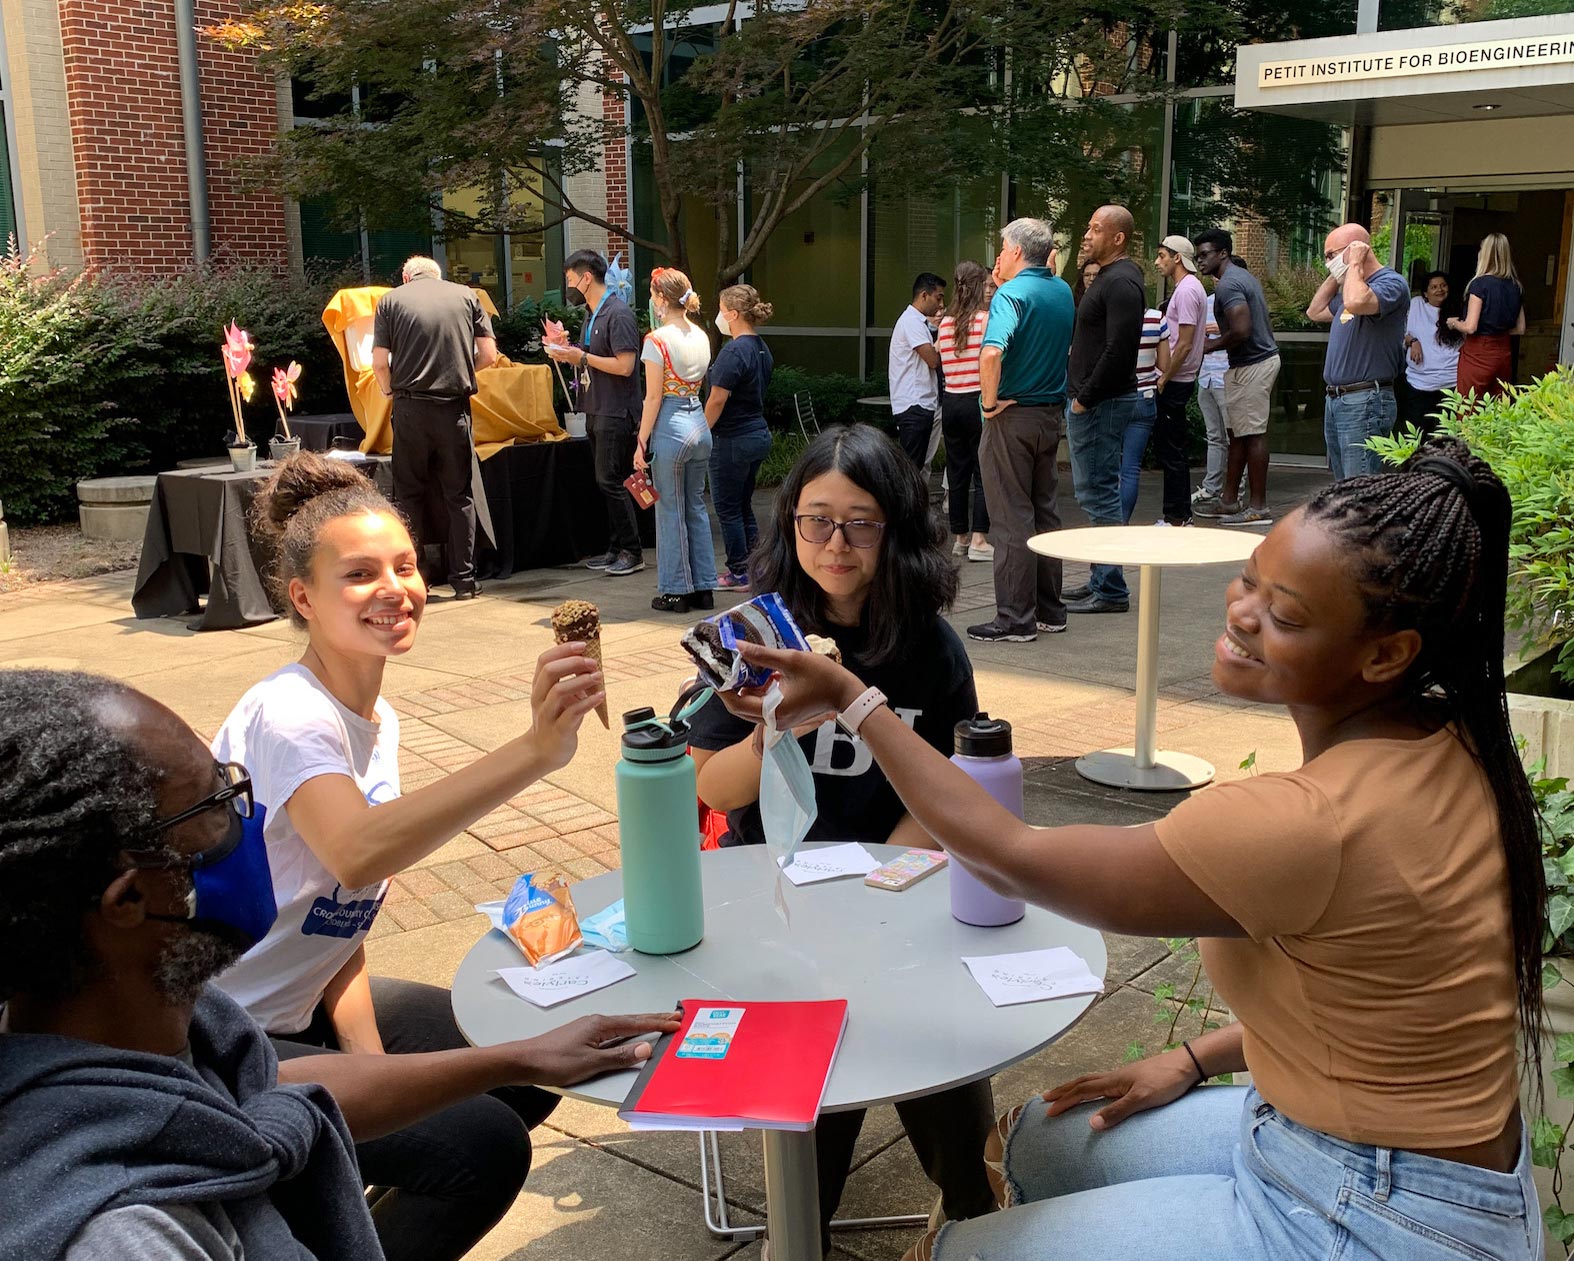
<point>1022,393</point>
<point>429,337</point>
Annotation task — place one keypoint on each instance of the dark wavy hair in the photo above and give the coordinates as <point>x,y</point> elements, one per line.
<point>1430,548</point>
<point>914,579</point>
<point>1453,307</point>
<point>73,794</point>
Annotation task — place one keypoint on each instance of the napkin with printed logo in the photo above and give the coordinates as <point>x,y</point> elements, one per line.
<point>1031,976</point>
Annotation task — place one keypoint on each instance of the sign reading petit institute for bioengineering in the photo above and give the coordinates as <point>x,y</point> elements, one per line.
<point>1497,54</point>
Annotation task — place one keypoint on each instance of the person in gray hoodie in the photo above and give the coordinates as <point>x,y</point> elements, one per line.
<point>145,1115</point>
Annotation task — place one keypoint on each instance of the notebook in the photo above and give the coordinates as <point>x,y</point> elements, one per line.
<point>736,1066</point>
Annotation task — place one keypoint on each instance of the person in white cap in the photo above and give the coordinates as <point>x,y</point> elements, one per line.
<point>1186,315</point>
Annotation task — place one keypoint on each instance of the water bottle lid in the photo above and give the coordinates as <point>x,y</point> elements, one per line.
<point>983,736</point>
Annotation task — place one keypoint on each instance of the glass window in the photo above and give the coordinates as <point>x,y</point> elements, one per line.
<point>474,260</point>
<point>7,200</point>
<point>1403,15</point>
<point>389,247</point>
<point>809,268</point>
<point>326,245</point>
<point>527,241</point>
<point>929,231</point>
<point>1207,51</point>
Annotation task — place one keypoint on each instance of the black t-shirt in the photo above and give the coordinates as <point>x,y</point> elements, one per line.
<point>742,367</point>
<point>930,685</point>
<point>1500,303</point>
<point>428,326</point>
<point>1108,332</point>
<point>613,331</point>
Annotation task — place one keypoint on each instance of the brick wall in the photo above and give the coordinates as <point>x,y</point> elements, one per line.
<point>123,90</point>
<point>615,151</point>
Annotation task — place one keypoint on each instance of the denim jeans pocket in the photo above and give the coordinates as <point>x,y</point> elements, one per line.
<point>1430,1229</point>
<point>1290,1160</point>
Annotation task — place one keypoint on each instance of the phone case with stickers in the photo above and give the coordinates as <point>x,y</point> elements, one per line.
<point>906,871</point>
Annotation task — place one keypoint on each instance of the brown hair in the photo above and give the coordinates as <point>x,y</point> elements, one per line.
<point>673,287</point>
<point>304,494</point>
<point>746,301</point>
<point>969,296</point>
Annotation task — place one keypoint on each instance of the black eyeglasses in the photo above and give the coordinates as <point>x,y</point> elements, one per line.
<point>859,534</point>
<point>236,795</point>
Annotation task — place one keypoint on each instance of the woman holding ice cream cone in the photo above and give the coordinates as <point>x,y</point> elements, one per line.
<point>322,748</point>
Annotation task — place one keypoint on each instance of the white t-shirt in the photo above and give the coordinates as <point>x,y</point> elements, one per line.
<point>913,381</point>
<point>286,730</point>
<point>1214,366</point>
<point>1439,366</point>
<point>689,350</point>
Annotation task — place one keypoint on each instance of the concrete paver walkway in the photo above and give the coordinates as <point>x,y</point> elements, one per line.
<point>595,1187</point>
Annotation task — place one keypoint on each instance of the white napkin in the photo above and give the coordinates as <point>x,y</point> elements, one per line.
<point>1033,975</point>
<point>809,866</point>
<point>568,978</point>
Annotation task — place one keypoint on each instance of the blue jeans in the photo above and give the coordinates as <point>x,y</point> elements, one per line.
<point>1096,437</point>
<point>1349,421</point>
<point>1220,1175</point>
<point>735,461</point>
<point>1133,442</point>
<point>680,449</point>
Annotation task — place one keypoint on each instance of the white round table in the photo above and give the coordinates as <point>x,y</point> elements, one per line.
<point>917,1022</point>
<point>1151,547</point>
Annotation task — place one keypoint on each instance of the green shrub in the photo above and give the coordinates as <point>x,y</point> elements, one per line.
<point>112,374</point>
<point>1289,291</point>
<point>1528,438</point>
<point>835,398</point>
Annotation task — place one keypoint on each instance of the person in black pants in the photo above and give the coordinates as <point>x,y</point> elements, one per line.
<point>961,424</point>
<point>912,364</point>
<point>740,438</point>
<point>429,337</point>
<point>604,360</point>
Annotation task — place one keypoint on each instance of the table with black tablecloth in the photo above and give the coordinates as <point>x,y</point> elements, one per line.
<point>196,541</point>
<point>317,433</point>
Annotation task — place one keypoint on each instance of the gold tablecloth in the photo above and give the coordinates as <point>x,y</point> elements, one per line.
<point>513,402</point>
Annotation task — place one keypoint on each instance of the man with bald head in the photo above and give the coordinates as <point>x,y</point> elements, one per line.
<point>1367,305</point>
<point>1104,395</point>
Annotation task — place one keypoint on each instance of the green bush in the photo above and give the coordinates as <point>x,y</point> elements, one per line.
<point>110,374</point>
<point>1528,438</point>
<point>835,398</point>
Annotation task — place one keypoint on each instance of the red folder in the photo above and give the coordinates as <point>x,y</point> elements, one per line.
<point>772,1075</point>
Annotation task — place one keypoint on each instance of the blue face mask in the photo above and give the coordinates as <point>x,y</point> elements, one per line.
<point>231,884</point>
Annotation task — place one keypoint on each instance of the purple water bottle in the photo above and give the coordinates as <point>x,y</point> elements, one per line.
<point>983,750</point>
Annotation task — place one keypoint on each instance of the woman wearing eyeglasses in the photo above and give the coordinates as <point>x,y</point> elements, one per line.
<point>854,552</point>
<point>322,749</point>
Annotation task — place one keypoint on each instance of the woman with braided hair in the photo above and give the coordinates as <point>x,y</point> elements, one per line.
<point>1373,918</point>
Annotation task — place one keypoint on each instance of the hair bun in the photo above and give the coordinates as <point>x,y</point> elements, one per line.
<point>295,483</point>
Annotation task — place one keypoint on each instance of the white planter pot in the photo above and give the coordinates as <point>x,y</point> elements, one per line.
<point>574,424</point>
<point>243,459</point>
<point>282,449</point>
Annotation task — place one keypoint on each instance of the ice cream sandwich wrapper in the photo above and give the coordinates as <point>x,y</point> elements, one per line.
<point>539,916</point>
<point>763,620</point>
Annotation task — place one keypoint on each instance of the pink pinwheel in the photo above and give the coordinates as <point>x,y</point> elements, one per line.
<point>284,392</point>
<point>555,333</point>
<point>236,350</point>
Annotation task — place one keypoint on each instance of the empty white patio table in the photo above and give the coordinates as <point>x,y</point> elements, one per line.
<point>1152,548</point>
<point>917,1022</point>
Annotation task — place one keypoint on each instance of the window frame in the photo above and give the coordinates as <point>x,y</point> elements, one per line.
<point>13,172</point>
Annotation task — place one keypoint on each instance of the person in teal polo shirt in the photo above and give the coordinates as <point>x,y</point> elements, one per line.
<point>1022,377</point>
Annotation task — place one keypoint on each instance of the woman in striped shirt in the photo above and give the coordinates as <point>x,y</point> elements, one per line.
<point>961,339</point>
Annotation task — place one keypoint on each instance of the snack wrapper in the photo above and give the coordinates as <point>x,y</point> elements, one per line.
<point>713,643</point>
<point>539,915</point>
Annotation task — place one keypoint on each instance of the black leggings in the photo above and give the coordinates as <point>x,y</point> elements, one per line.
<point>449,1178</point>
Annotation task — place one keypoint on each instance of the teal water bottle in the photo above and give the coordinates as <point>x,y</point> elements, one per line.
<point>659,832</point>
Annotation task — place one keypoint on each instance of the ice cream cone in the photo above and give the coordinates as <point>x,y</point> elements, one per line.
<point>581,620</point>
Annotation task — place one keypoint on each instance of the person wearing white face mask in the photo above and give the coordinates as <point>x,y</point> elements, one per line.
<point>740,439</point>
<point>1367,305</point>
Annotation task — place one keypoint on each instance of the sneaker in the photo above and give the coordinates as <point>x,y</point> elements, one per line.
<point>1051,628</point>
<point>1201,493</point>
<point>670,604</point>
<point>1161,521</point>
<point>986,552</point>
<point>995,633</point>
<point>602,562</point>
<point>733,582</point>
<point>1213,507</point>
<point>625,564</point>
<point>1097,604</point>
<point>467,592</point>
<point>1080,592</point>
<point>1249,516</point>
<point>959,548</point>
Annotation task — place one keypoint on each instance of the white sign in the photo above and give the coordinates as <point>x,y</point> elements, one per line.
<point>1031,976</point>
<point>1498,54</point>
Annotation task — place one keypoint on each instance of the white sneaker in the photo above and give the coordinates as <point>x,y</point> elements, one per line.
<point>1161,521</point>
<point>959,548</point>
<point>986,552</point>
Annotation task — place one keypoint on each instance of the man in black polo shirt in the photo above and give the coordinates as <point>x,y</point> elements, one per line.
<point>428,338</point>
<point>604,361</point>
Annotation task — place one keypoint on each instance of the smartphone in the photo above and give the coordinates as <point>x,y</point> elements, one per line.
<point>907,870</point>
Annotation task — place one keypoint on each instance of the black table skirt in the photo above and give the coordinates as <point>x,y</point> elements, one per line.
<point>317,433</point>
<point>545,508</point>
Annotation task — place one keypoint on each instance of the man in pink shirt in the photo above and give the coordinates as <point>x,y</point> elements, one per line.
<point>1186,314</point>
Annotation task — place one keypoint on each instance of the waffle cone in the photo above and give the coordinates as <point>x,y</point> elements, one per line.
<point>593,651</point>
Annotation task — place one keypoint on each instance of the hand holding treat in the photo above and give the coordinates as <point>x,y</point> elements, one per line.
<point>580,621</point>
<point>553,333</point>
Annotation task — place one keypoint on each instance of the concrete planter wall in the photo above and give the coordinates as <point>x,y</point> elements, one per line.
<point>1546,724</point>
<point>1560,1019</point>
<point>115,509</point>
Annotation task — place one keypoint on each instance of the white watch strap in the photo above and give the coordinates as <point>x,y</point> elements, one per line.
<point>853,716</point>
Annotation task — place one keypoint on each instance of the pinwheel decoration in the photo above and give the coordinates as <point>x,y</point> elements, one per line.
<point>620,280</point>
<point>554,334</point>
<point>236,353</point>
<point>284,392</point>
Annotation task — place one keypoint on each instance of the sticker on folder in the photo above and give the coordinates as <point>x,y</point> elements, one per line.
<point>711,1033</point>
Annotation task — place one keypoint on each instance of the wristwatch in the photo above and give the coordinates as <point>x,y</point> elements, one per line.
<point>852,718</point>
<point>584,357</point>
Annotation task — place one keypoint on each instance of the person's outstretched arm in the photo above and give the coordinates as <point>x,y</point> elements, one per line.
<point>379,1094</point>
<point>1114,878</point>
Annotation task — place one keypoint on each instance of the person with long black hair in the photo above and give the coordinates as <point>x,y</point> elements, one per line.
<point>855,554</point>
<point>1431,350</point>
<point>1374,919</point>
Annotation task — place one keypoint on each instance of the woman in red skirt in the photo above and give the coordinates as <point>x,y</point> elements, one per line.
<point>1494,312</point>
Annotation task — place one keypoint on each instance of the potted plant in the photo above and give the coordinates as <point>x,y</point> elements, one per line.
<point>284,395</point>
<point>236,353</point>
